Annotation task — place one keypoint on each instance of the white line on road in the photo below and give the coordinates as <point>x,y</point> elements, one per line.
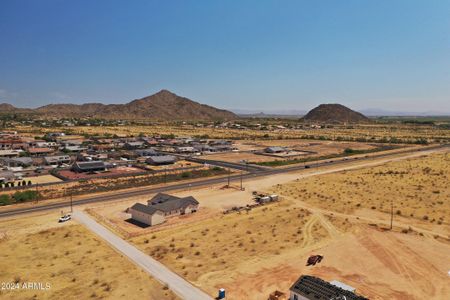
<point>176,283</point>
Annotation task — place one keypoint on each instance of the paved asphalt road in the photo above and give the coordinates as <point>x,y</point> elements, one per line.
<point>205,182</point>
<point>177,284</point>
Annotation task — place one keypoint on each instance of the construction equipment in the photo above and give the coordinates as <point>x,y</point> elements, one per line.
<point>314,259</point>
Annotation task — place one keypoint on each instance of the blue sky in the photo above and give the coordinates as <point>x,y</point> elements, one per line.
<point>263,55</point>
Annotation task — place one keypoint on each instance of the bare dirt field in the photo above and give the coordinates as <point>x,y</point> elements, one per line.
<point>370,132</point>
<point>212,201</point>
<point>75,263</point>
<point>42,179</point>
<point>418,188</point>
<point>253,254</point>
<point>122,170</point>
<point>311,148</point>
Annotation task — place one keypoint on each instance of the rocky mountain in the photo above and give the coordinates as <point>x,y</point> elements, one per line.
<point>334,113</point>
<point>163,105</point>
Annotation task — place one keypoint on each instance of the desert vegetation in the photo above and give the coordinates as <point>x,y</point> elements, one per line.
<point>417,187</point>
<point>382,132</point>
<point>67,258</point>
<point>225,244</point>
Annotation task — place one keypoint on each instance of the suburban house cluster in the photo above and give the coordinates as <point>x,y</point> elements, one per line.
<point>26,156</point>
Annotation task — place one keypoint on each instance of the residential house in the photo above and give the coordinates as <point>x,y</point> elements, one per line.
<point>9,153</point>
<point>134,145</point>
<point>147,152</point>
<point>162,206</point>
<point>89,166</point>
<point>161,160</point>
<point>40,151</point>
<point>7,176</point>
<point>57,159</point>
<point>275,149</point>
<point>16,162</point>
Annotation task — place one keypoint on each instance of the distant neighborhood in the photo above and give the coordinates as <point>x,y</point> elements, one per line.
<point>65,156</point>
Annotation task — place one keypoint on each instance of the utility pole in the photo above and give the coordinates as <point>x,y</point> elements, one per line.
<point>392,211</point>
<point>228,177</point>
<point>241,180</point>
<point>37,193</point>
<point>71,204</point>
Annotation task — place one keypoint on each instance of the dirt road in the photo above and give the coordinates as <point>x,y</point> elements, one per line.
<point>177,284</point>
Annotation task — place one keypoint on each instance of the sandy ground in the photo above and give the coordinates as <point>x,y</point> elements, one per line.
<point>42,179</point>
<point>253,254</point>
<point>121,170</point>
<point>241,253</point>
<point>418,189</point>
<point>75,263</point>
<point>320,147</point>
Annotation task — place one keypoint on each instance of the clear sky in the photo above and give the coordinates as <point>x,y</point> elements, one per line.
<point>268,55</point>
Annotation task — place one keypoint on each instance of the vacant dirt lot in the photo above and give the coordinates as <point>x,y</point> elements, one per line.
<point>75,263</point>
<point>216,251</point>
<point>253,254</point>
<point>212,201</point>
<point>111,172</point>
<point>317,148</point>
<point>42,179</point>
<point>418,188</point>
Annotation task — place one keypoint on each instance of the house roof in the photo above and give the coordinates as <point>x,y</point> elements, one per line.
<point>147,152</point>
<point>275,149</point>
<point>315,288</point>
<point>144,208</point>
<point>165,203</point>
<point>162,159</point>
<point>21,160</point>
<point>40,150</point>
<point>9,152</point>
<point>89,165</point>
<point>137,143</point>
<point>6,174</point>
<point>56,158</point>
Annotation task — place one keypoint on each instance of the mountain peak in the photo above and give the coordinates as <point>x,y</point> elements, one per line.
<point>334,113</point>
<point>164,92</point>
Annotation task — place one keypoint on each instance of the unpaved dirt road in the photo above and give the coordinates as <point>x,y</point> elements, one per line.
<point>177,284</point>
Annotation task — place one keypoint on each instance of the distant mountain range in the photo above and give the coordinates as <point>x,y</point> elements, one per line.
<point>163,105</point>
<point>371,112</point>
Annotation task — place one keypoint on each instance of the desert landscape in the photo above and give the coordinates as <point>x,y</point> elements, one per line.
<point>225,150</point>
<point>67,257</point>
<point>251,253</point>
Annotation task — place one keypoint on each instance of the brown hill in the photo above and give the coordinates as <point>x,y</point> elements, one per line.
<point>8,108</point>
<point>5,107</point>
<point>163,105</point>
<point>334,113</point>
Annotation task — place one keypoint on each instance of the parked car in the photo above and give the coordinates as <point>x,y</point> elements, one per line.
<point>64,218</point>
